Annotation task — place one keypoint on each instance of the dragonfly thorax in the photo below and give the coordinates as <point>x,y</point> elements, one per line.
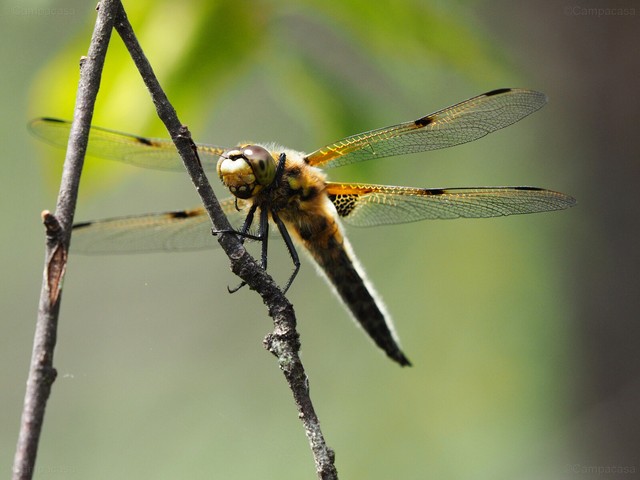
<point>245,170</point>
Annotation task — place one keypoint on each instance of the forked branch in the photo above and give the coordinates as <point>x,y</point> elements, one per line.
<point>283,342</point>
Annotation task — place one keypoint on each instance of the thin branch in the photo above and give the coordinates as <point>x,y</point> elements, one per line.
<point>42,374</point>
<point>284,341</point>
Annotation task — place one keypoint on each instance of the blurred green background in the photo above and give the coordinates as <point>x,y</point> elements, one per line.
<point>522,330</point>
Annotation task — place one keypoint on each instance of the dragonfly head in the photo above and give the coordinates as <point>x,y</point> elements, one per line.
<point>245,170</point>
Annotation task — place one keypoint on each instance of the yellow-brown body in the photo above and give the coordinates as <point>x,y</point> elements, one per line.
<point>297,197</point>
<point>300,199</point>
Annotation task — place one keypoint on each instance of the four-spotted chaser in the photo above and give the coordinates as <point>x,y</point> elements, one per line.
<point>288,188</point>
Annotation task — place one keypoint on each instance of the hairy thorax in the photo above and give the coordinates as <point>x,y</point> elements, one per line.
<point>301,201</point>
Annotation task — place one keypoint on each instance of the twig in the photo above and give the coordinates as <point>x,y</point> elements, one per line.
<point>42,374</point>
<point>284,341</point>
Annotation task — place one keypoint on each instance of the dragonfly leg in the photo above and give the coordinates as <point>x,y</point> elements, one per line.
<point>290,247</point>
<point>263,231</point>
<point>280,168</point>
<point>243,232</point>
<point>263,236</point>
<point>242,236</point>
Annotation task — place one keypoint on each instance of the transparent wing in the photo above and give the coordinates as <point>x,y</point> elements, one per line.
<point>181,230</point>
<point>370,205</point>
<point>132,149</point>
<point>460,123</point>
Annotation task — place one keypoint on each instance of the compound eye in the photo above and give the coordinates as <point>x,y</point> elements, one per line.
<point>261,162</point>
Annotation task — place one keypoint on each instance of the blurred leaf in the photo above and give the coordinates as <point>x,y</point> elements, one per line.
<point>202,50</point>
<point>479,305</point>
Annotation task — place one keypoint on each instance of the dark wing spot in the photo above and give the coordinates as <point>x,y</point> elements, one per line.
<point>528,188</point>
<point>53,120</point>
<point>82,225</point>
<point>183,213</point>
<point>497,92</point>
<point>144,141</point>
<point>424,121</point>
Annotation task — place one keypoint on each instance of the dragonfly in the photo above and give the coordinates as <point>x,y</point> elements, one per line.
<point>290,189</point>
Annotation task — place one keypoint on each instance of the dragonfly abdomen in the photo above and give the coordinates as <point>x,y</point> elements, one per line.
<point>350,283</point>
<point>333,254</point>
